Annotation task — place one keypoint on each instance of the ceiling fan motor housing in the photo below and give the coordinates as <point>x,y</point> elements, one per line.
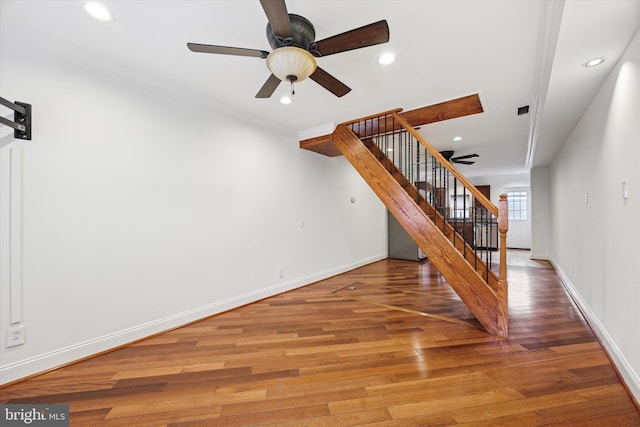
<point>447,154</point>
<point>303,35</point>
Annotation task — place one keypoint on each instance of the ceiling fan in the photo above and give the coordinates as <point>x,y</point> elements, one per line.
<point>459,159</point>
<point>292,38</point>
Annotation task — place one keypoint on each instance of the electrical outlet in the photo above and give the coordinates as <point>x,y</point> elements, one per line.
<point>281,272</point>
<point>16,335</point>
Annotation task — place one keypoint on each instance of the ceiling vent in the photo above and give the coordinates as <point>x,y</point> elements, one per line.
<point>523,110</point>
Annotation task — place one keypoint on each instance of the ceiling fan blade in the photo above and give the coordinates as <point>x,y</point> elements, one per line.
<point>468,156</point>
<point>369,35</point>
<point>276,11</point>
<point>225,50</point>
<point>268,87</point>
<point>462,162</point>
<point>329,82</point>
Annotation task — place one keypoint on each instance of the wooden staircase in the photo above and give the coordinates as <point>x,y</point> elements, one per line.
<point>363,143</point>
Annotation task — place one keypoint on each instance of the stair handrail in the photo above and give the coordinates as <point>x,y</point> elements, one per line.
<point>436,154</point>
<point>374,116</point>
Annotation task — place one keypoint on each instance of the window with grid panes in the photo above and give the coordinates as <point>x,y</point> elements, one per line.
<point>517,205</point>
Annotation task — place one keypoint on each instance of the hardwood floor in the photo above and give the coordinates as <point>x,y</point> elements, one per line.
<point>388,344</point>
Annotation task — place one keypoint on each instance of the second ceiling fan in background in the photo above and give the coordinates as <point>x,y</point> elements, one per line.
<point>448,154</point>
<point>292,38</point>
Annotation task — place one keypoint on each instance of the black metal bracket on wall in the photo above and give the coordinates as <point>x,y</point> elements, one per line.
<point>21,119</point>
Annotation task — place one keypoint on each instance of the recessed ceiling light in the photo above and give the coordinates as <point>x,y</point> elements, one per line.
<point>98,11</point>
<point>286,100</point>
<point>457,138</point>
<point>386,58</point>
<point>595,61</point>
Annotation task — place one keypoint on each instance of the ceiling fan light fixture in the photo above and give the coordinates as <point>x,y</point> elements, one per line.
<point>291,61</point>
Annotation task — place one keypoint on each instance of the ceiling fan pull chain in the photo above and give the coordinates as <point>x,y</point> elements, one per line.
<point>291,78</point>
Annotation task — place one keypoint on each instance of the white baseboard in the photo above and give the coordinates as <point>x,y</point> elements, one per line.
<point>62,356</point>
<point>629,376</point>
<point>538,256</point>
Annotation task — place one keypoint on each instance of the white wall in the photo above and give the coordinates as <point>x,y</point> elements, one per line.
<point>133,213</point>
<point>540,226</point>
<point>594,246</point>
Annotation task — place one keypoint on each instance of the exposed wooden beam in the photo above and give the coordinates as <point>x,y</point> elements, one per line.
<point>322,145</point>
<point>455,108</point>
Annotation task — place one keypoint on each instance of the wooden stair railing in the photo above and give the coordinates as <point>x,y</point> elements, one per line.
<point>369,144</point>
<point>449,230</point>
<point>446,110</point>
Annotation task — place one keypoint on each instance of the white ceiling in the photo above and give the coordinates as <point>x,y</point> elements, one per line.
<point>503,50</point>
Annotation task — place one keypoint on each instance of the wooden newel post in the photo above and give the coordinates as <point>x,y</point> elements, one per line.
<point>503,294</point>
